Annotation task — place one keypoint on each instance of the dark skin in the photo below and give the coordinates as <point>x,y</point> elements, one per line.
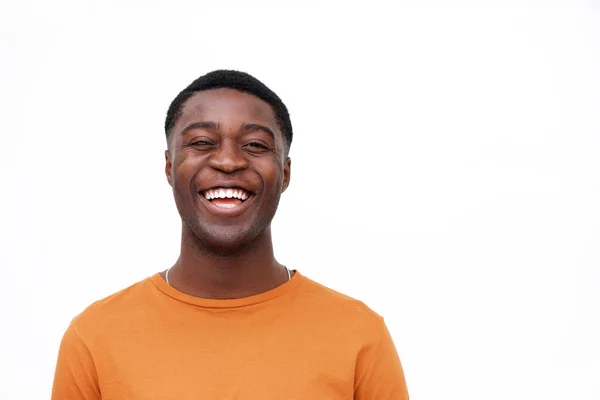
<point>226,138</point>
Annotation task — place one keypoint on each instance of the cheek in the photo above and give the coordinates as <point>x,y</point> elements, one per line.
<point>273,178</point>
<point>184,168</point>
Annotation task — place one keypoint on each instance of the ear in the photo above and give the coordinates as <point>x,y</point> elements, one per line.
<point>287,171</point>
<point>168,167</point>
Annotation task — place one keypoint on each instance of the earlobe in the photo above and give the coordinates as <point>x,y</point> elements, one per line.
<point>287,170</point>
<point>168,167</point>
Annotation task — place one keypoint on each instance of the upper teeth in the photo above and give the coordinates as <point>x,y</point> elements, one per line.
<point>222,193</point>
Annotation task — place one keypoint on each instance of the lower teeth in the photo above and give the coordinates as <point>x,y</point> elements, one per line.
<point>226,205</point>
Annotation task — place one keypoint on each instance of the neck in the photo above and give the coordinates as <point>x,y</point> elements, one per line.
<point>203,272</point>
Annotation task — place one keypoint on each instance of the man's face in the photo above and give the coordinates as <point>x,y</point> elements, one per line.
<point>227,166</point>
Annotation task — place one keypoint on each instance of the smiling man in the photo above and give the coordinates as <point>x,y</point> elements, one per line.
<point>227,321</point>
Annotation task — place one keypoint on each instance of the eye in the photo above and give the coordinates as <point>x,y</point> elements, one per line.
<point>257,146</point>
<point>201,143</point>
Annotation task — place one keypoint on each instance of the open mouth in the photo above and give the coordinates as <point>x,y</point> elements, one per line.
<point>226,198</point>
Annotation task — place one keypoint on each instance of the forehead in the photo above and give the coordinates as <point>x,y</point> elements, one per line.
<point>227,107</point>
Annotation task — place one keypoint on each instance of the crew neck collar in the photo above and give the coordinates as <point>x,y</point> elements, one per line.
<point>158,281</point>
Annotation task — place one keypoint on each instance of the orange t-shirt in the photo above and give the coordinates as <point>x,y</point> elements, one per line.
<point>300,340</point>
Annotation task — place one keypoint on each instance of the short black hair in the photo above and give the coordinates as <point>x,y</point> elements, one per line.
<point>237,80</point>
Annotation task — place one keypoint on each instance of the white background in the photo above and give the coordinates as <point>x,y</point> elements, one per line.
<point>446,171</point>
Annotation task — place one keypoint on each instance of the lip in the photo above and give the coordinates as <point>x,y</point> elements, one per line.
<point>226,212</point>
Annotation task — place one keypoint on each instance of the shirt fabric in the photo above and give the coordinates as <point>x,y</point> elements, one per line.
<point>299,340</point>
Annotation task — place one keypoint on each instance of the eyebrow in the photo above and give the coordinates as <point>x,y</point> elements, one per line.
<point>215,126</point>
<point>257,127</point>
<point>201,125</point>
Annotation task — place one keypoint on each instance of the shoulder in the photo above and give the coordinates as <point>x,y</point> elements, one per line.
<point>338,307</point>
<point>113,309</point>
<point>321,293</point>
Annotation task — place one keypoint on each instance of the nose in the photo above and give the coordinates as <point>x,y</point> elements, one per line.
<point>228,157</point>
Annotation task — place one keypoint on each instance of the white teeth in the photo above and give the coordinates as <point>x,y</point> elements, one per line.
<point>226,205</point>
<point>226,193</point>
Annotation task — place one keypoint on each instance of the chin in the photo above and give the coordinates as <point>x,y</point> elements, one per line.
<point>226,239</point>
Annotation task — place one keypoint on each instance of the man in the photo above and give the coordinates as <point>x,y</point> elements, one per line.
<point>227,321</point>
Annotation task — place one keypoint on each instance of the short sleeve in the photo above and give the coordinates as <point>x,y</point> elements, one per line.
<point>379,374</point>
<point>75,377</point>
